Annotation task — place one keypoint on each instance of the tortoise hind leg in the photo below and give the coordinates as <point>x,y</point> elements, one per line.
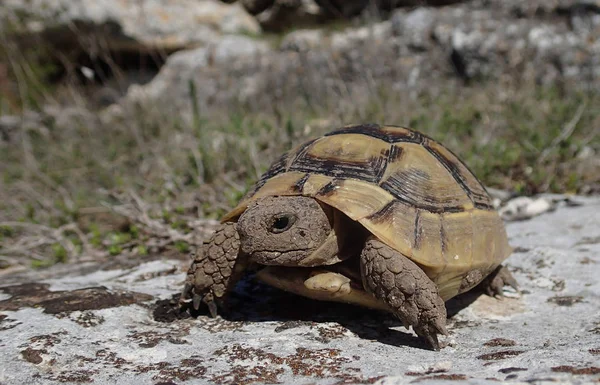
<point>405,288</point>
<point>494,283</point>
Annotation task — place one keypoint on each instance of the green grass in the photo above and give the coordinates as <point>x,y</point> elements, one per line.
<point>523,138</point>
<point>501,141</point>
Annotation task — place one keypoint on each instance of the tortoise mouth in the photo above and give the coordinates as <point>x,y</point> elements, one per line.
<point>334,283</point>
<point>280,258</point>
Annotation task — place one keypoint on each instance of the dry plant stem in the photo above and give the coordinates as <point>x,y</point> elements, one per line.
<point>333,67</point>
<point>232,183</point>
<point>193,148</point>
<point>137,211</point>
<point>33,168</point>
<point>24,190</point>
<point>567,131</point>
<point>45,236</point>
<point>254,157</point>
<point>21,84</point>
<point>11,261</point>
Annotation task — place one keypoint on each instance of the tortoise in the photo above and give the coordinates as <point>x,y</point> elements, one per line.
<point>383,217</point>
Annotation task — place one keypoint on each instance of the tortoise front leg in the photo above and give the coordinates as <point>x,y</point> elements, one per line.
<point>405,288</point>
<point>215,269</point>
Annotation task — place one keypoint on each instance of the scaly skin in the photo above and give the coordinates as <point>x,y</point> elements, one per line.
<point>405,288</point>
<point>215,269</point>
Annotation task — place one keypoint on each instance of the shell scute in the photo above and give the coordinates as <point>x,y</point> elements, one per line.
<point>343,156</point>
<point>462,174</point>
<point>355,198</point>
<point>418,179</point>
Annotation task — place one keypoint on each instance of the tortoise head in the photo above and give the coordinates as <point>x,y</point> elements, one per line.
<point>288,231</point>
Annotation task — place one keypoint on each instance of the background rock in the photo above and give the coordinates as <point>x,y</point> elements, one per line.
<point>351,8</point>
<point>284,15</point>
<point>552,42</point>
<point>153,23</point>
<point>126,329</point>
<point>415,50</point>
<point>114,43</point>
<point>229,52</point>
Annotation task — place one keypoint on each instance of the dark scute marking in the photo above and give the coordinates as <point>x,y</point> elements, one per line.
<point>303,149</point>
<point>407,185</point>
<point>451,167</point>
<point>418,238</point>
<point>427,207</point>
<point>277,167</point>
<point>384,214</point>
<point>372,130</point>
<point>299,186</point>
<point>376,131</point>
<point>483,205</point>
<point>481,201</point>
<point>379,168</point>
<point>395,153</point>
<point>443,238</point>
<point>420,174</point>
<point>329,188</point>
<point>369,171</point>
<point>412,136</point>
<point>384,155</point>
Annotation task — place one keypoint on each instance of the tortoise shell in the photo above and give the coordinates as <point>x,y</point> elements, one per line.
<point>406,189</point>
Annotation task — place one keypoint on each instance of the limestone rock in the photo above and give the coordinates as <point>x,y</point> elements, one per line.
<point>153,23</point>
<point>417,49</point>
<point>302,40</point>
<point>347,8</point>
<point>114,323</point>
<point>285,15</point>
<point>415,26</point>
<point>173,81</point>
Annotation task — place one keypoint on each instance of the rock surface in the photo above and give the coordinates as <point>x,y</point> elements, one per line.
<point>116,324</point>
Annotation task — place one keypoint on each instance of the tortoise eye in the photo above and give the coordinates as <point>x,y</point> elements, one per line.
<point>282,223</point>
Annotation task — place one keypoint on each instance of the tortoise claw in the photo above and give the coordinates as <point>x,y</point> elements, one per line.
<point>440,327</point>
<point>196,301</point>
<point>212,307</point>
<point>185,293</point>
<point>493,285</point>
<point>430,334</point>
<point>433,341</point>
<point>511,281</point>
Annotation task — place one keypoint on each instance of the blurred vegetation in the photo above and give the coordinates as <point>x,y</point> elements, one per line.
<point>62,171</point>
